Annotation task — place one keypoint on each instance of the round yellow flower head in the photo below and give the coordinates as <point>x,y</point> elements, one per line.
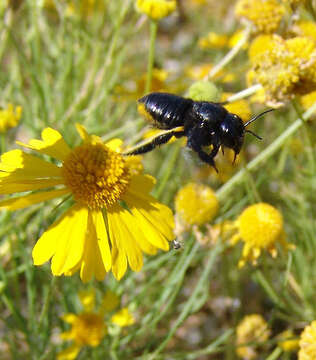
<point>266,15</point>
<point>9,118</point>
<point>252,328</point>
<point>213,41</point>
<point>305,28</point>
<point>156,9</point>
<point>307,343</point>
<point>259,45</point>
<point>196,204</point>
<point>260,227</point>
<point>286,68</point>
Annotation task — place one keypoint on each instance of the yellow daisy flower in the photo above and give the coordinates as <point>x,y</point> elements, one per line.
<point>9,117</point>
<point>307,343</point>
<point>196,204</point>
<point>156,9</point>
<point>260,227</point>
<point>252,328</point>
<point>88,328</point>
<point>113,218</point>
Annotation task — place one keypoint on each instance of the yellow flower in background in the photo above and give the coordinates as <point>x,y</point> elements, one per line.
<point>134,89</point>
<point>213,41</point>
<point>308,100</point>
<point>304,28</point>
<point>260,227</point>
<point>259,45</point>
<point>235,38</point>
<point>9,117</point>
<point>196,204</point>
<point>82,8</point>
<point>288,341</point>
<point>252,329</point>
<point>85,8</point>
<point>239,107</point>
<point>89,327</point>
<point>265,15</point>
<point>307,343</point>
<point>199,72</point>
<point>287,68</point>
<point>156,9</point>
<point>225,164</point>
<point>113,219</point>
<point>123,318</point>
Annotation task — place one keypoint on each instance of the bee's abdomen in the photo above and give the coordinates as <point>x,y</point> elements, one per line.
<point>166,110</point>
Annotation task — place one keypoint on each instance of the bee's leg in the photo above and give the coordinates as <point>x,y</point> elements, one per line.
<point>159,140</point>
<point>205,157</point>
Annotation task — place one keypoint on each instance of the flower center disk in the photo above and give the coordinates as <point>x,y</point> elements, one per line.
<point>96,175</point>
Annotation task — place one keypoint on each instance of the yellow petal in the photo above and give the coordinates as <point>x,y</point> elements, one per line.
<point>82,132</point>
<point>21,165</point>
<point>91,263</point>
<point>87,299</point>
<point>153,218</point>
<point>69,318</point>
<point>46,245</point>
<point>119,261</point>
<point>119,218</point>
<point>71,242</point>
<point>114,144</point>
<point>70,353</point>
<point>141,185</point>
<point>123,318</point>
<point>64,241</point>
<point>28,200</point>
<point>9,186</point>
<point>52,144</point>
<point>102,238</point>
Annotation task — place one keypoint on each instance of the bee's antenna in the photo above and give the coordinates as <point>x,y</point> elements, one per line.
<point>252,133</point>
<point>256,117</point>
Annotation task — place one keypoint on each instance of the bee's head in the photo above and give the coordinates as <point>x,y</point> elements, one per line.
<point>232,132</point>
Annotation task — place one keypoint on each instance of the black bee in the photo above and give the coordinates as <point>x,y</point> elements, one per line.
<point>204,123</point>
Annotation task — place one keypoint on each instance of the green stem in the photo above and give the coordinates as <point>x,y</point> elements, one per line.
<point>151,54</point>
<point>244,93</point>
<point>3,143</point>
<point>190,304</point>
<point>310,8</point>
<point>223,191</point>
<point>275,354</point>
